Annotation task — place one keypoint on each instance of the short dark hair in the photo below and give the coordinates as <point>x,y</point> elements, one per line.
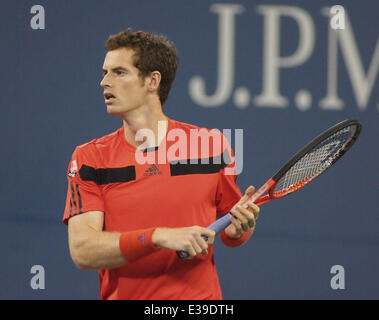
<point>152,53</point>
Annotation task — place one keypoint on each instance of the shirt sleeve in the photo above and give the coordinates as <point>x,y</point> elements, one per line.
<point>82,195</point>
<point>228,192</point>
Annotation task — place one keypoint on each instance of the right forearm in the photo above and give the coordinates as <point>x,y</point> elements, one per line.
<point>97,250</point>
<point>92,249</point>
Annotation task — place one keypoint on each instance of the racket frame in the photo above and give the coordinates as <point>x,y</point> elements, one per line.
<point>260,197</point>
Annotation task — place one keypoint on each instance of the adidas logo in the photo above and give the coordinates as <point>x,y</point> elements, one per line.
<point>152,171</point>
<point>141,238</point>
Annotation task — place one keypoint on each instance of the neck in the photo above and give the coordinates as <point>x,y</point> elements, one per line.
<point>139,122</point>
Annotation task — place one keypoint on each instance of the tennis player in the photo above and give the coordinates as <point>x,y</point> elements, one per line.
<point>127,218</point>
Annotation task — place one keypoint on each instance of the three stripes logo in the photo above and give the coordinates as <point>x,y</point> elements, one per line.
<point>75,200</point>
<point>152,171</point>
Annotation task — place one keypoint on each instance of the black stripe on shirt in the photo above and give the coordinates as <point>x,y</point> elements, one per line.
<point>209,165</point>
<point>109,175</point>
<point>70,207</point>
<point>79,198</point>
<point>73,197</point>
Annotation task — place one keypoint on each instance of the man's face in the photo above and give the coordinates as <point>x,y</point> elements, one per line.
<point>124,90</point>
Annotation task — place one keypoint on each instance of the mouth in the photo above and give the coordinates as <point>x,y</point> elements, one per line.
<point>108,97</point>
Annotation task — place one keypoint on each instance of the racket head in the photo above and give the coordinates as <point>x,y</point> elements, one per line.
<point>315,158</point>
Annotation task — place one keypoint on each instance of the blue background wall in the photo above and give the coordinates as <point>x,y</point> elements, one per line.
<point>51,101</point>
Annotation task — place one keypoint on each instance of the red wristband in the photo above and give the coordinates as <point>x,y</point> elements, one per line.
<point>231,242</point>
<point>136,244</point>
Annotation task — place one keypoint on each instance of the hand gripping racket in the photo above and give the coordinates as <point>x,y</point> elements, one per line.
<point>315,158</point>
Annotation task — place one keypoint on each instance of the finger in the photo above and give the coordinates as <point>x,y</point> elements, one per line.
<point>191,252</point>
<point>201,243</point>
<point>209,233</point>
<point>205,251</point>
<point>237,225</point>
<point>195,245</point>
<point>249,216</point>
<point>245,217</point>
<point>250,190</point>
<point>255,209</point>
<point>252,223</point>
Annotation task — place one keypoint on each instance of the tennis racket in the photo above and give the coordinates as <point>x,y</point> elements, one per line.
<point>311,161</point>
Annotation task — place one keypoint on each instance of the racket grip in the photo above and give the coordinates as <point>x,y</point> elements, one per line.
<point>216,226</point>
<point>220,224</point>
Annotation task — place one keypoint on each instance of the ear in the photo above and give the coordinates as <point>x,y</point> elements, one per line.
<point>154,81</point>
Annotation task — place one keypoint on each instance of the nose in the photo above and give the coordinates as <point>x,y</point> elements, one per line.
<point>105,82</point>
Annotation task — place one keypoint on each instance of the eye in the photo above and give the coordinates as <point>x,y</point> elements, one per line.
<point>120,72</point>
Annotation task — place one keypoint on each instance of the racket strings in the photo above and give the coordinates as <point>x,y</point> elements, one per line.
<point>316,161</point>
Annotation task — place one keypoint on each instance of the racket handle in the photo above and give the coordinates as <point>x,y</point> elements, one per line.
<point>220,224</point>
<point>216,226</point>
